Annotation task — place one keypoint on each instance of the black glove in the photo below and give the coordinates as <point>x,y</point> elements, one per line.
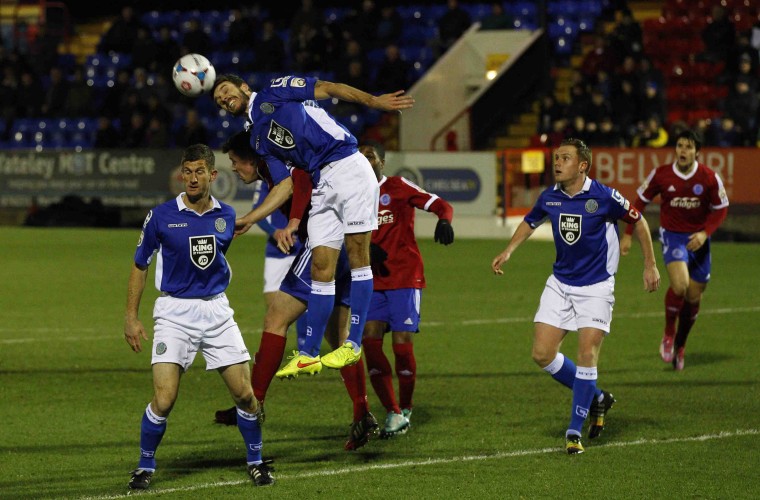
<point>444,233</point>
<point>377,258</point>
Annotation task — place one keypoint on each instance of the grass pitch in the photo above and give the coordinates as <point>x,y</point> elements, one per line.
<point>487,422</point>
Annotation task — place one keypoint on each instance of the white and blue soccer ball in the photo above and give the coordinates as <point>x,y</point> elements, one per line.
<point>193,75</point>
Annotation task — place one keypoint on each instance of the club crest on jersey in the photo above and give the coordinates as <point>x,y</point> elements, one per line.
<point>698,189</point>
<point>385,199</point>
<point>592,206</point>
<point>281,136</point>
<point>267,108</point>
<point>570,228</point>
<point>220,224</point>
<point>202,250</point>
<point>160,348</point>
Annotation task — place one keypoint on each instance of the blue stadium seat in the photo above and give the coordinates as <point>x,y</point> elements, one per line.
<point>418,34</point>
<point>477,11</point>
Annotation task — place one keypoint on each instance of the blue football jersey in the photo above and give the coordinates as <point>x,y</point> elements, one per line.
<point>585,230</point>
<point>189,248</point>
<point>289,128</point>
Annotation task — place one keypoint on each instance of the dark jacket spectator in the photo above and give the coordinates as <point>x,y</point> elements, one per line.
<point>270,49</point>
<point>192,131</point>
<point>393,72</point>
<point>144,51</point>
<point>719,36</point>
<point>29,96</point>
<point>167,48</point>
<point>122,34</point>
<point>388,27</point>
<point>452,24</point>
<point>195,40</point>
<point>107,136</point>
<point>56,94</point>
<point>497,19</point>
<point>81,97</point>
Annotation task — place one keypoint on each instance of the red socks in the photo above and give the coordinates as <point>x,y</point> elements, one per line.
<point>673,306</point>
<point>686,320</point>
<point>380,373</point>
<point>406,370</point>
<point>266,363</point>
<point>356,385</point>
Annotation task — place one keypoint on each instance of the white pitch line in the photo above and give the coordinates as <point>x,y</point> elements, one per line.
<point>436,461</point>
<point>425,324</point>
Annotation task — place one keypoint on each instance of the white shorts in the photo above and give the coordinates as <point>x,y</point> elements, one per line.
<point>344,202</point>
<point>275,270</point>
<point>185,326</point>
<point>572,307</point>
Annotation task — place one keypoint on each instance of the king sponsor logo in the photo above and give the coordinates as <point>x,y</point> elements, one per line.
<point>570,228</point>
<point>281,136</point>
<point>202,250</point>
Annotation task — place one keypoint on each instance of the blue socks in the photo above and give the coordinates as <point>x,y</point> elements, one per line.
<point>563,370</point>
<point>319,309</point>
<point>584,388</point>
<point>152,429</point>
<point>361,296</point>
<point>250,429</point>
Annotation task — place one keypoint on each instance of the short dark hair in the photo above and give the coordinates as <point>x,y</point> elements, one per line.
<point>692,136</point>
<point>233,79</point>
<point>240,144</point>
<point>379,149</point>
<point>197,152</point>
<point>584,152</point>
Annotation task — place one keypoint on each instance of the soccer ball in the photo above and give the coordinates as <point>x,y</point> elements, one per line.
<point>193,75</point>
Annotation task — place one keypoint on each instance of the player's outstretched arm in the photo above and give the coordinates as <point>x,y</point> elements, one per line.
<point>651,274</point>
<point>276,197</point>
<point>522,233</point>
<point>394,101</point>
<point>133,327</point>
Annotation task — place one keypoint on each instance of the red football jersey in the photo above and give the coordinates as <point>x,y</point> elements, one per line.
<point>686,200</point>
<point>399,198</point>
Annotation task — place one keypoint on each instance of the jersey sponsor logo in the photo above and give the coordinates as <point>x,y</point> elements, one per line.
<point>570,228</point>
<point>202,250</point>
<point>698,189</point>
<point>267,108</point>
<point>297,82</point>
<point>385,199</point>
<point>280,82</point>
<point>672,189</point>
<point>181,224</point>
<point>281,136</point>
<point>685,202</point>
<point>553,203</point>
<point>592,206</point>
<point>160,348</point>
<point>354,319</point>
<point>385,217</point>
<point>220,224</point>
<point>619,198</point>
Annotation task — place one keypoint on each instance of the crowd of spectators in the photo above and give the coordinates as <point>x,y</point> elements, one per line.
<point>618,96</point>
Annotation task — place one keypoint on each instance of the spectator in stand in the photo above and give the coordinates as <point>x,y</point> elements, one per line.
<point>106,137</point>
<point>649,73</point>
<point>652,134</point>
<point>81,97</point>
<point>155,108</point>
<point>192,131</point>
<point>452,24</point>
<point>743,52</point>
<point>742,106</point>
<point>600,57</point>
<point>497,19</point>
<point>270,49</point>
<point>167,48</point>
<point>719,36</point>
<point>579,100</point>
<point>122,34</point>
<point>144,51</point>
<point>141,84</point>
<point>598,106</point>
<point>239,31</point>
<point>195,40</point>
<point>745,71</point>
<point>362,25</point>
<point>133,131</point>
<point>393,72</point>
<point>652,102</point>
<point>8,88</point>
<point>389,27</point>
<point>352,52</point>
<point>626,37</point>
<point>676,128</point>
<point>625,102</point>
<point>116,95</point>
<point>156,134</point>
<point>723,133</point>
<point>550,112</point>
<point>29,96</point>
<point>56,94</point>
<point>307,14</point>
<point>608,135</point>
<point>307,49</point>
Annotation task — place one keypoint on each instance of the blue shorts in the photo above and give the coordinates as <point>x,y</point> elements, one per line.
<point>399,308</point>
<point>297,282</point>
<point>674,249</point>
